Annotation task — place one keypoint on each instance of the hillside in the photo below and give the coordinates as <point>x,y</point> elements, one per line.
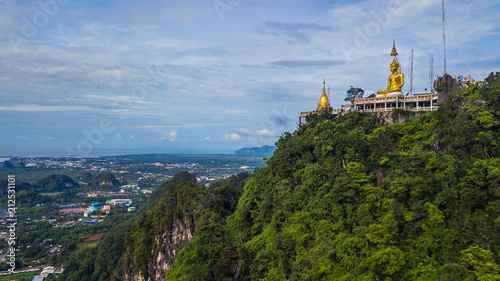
<point>177,179</point>
<point>126,251</point>
<point>186,211</point>
<point>55,183</point>
<point>344,199</point>
<point>106,179</point>
<point>8,165</point>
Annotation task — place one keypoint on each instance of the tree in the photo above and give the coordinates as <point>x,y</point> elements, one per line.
<point>353,94</point>
<point>481,262</point>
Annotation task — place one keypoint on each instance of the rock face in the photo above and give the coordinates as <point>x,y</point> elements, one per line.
<point>393,117</point>
<point>158,235</point>
<point>445,86</point>
<point>165,253</point>
<point>165,258</point>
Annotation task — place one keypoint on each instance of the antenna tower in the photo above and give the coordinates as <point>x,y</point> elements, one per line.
<point>409,66</point>
<point>431,71</point>
<point>444,41</point>
<point>411,73</point>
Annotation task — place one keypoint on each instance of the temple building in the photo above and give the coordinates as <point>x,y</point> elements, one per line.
<point>393,97</point>
<point>385,100</point>
<point>324,103</point>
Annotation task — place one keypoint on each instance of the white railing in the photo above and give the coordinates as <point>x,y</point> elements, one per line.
<point>422,108</point>
<point>337,111</point>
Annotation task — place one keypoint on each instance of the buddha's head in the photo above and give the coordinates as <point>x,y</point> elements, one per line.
<point>394,66</point>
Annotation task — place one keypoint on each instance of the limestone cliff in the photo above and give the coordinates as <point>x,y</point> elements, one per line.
<point>164,254</point>
<point>157,236</point>
<point>393,117</point>
<point>186,210</point>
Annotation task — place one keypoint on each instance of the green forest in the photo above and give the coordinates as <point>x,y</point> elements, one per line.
<point>342,198</point>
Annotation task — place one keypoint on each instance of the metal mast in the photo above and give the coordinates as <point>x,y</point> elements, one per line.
<point>411,73</point>
<point>409,68</point>
<point>431,71</point>
<point>444,41</point>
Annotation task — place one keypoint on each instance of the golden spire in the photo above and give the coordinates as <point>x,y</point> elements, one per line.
<point>323,101</point>
<point>394,52</point>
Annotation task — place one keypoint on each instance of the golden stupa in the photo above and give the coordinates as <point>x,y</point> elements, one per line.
<point>323,101</point>
<point>396,79</point>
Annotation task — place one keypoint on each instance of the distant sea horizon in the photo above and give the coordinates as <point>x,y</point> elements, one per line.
<point>5,156</point>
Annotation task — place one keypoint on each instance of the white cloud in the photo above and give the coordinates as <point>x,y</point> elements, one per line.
<point>46,67</point>
<point>257,133</point>
<point>22,138</point>
<point>235,111</point>
<point>38,107</point>
<point>171,135</point>
<point>233,137</point>
<point>125,99</point>
<point>242,132</point>
<point>79,66</point>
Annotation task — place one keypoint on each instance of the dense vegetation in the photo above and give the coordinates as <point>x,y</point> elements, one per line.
<point>103,262</point>
<point>201,210</point>
<point>4,186</point>
<point>35,239</point>
<point>8,165</point>
<point>344,199</point>
<point>107,261</point>
<point>55,183</point>
<point>178,178</point>
<point>105,179</point>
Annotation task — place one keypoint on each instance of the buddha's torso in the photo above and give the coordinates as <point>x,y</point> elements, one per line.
<point>395,82</point>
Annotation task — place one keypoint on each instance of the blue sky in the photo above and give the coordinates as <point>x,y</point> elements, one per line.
<point>95,77</point>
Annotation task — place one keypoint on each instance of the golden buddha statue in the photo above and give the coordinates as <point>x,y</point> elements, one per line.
<point>396,79</point>
<point>323,101</point>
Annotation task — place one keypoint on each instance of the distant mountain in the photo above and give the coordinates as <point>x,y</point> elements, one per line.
<point>4,186</point>
<point>85,177</point>
<point>8,165</point>
<point>263,151</point>
<point>106,179</point>
<point>55,183</point>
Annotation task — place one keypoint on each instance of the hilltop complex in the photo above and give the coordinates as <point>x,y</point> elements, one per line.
<point>393,97</point>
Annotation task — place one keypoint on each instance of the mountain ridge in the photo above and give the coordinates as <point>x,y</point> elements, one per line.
<point>263,151</point>
<point>344,198</point>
